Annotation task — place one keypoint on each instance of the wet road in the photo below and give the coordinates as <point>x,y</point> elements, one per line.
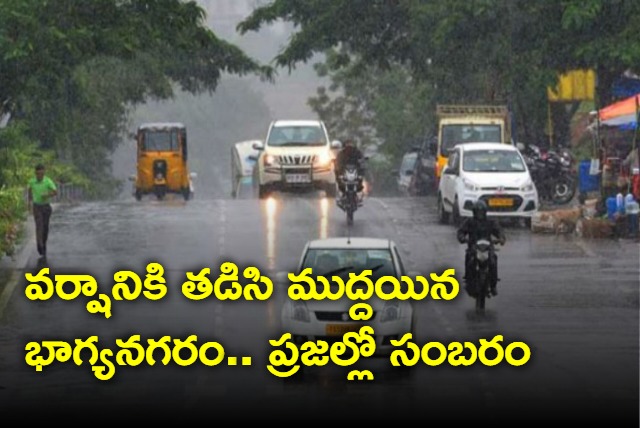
<point>573,301</point>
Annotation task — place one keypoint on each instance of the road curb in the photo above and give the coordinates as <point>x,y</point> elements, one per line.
<point>17,263</point>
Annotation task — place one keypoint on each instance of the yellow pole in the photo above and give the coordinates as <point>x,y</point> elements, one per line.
<point>550,124</point>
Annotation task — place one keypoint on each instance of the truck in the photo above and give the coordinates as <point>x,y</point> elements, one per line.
<point>469,124</point>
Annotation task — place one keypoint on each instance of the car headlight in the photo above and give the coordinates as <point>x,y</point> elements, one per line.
<point>323,159</point>
<point>300,312</point>
<point>390,311</point>
<point>270,160</point>
<point>529,187</point>
<point>470,186</point>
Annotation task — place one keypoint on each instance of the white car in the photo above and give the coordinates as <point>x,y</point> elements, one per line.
<point>243,159</point>
<point>296,155</point>
<point>493,172</point>
<point>328,320</point>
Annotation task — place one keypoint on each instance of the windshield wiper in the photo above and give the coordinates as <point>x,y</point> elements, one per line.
<point>337,271</point>
<point>346,268</point>
<point>293,143</point>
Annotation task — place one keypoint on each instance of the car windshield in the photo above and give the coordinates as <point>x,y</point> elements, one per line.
<point>161,140</point>
<point>458,134</point>
<point>341,262</point>
<point>492,161</point>
<point>282,136</point>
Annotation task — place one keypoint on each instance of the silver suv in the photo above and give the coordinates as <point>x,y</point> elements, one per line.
<point>297,155</point>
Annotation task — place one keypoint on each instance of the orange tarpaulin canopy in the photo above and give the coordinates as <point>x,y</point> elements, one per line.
<point>622,113</point>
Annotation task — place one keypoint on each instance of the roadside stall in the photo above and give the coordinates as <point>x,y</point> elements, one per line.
<point>621,159</point>
<point>609,182</point>
<point>616,128</point>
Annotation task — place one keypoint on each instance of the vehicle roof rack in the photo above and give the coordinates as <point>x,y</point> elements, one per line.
<point>483,110</point>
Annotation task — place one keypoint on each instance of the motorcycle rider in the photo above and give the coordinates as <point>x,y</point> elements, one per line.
<point>349,154</point>
<point>473,229</point>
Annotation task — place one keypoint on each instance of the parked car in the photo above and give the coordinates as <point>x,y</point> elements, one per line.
<point>493,172</point>
<point>406,174</point>
<point>329,319</point>
<point>422,179</point>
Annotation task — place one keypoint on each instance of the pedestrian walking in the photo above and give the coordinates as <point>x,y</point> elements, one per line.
<point>40,190</point>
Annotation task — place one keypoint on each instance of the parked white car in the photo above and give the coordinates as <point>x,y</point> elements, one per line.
<point>296,155</point>
<point>493,172</point>
<point>328,320</point>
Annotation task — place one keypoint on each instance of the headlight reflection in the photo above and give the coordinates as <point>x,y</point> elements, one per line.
<point>271,206</point>
<point>324,217</point>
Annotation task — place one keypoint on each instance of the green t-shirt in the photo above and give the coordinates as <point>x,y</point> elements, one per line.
<point>40,188</point>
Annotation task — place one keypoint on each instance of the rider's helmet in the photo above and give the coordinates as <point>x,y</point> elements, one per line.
<point>480,210</point>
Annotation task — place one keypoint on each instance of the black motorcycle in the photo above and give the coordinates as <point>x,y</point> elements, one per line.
<point>480,287</point>
<point>349,200</point>
<point>552,173</point>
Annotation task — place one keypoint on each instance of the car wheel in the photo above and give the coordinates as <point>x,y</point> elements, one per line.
<point>456,213</point>
<point>138,195</point>
<point>443,216</point>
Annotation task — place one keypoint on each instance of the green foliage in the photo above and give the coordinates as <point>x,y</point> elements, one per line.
<point>384,108</point>
<point>481,51</point>
<point>18,157</point>
<point>12,214</point>
<point>71,69</point>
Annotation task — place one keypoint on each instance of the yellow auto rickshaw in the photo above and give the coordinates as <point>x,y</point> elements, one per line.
<point>162,161</point>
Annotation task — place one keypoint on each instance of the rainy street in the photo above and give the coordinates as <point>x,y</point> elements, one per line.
<point>573,301</point>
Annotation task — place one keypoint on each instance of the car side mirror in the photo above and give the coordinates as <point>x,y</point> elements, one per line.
<point>433,149</point>
<point>258,146</point>
<point>336,144</point>
<point>132,135</point>
<point>132,178</point>
<point>193,175</point>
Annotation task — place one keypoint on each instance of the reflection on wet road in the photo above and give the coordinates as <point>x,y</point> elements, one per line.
<point>574,302</point>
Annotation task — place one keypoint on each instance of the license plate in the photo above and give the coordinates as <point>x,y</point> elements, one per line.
<point>500,202</point>
<point>298,178</point>
<point>340,329</point>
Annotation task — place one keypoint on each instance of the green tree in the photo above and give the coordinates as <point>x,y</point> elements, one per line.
<point>72,68</point>
<point>503,51</point>
<point>376,106</point>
